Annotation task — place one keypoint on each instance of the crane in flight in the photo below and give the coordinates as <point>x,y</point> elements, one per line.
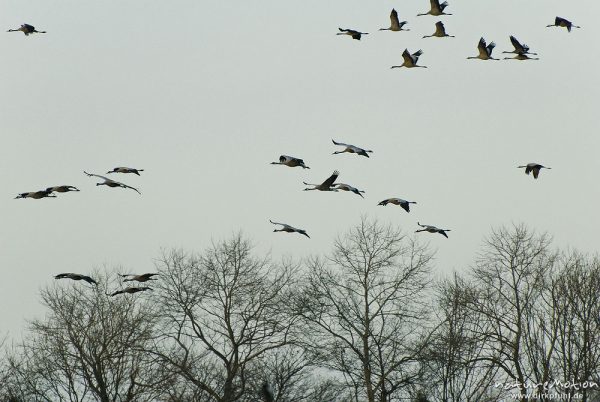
<point>347,187</point>
<point>410,60</point>
<point>519,48</point>
<point>485,51</point>
<point>398,201</point>
<point>110,183</point>
<point>355,34</point>
<point>432,229</point>
<point>26,29</point>
<point>139,278</point>
<point>327,185</point>
<point>521,56</point>
<point>76,277</point>
<point>130,290</point>
<point>563,22</point>
<point>290,161</point>
<point>62,189</point>
<point>36,195</point>
<point>122,169</point>
<point>351,149</point>
<point>436,8</point>
<point>533,167</point>
<point>289,229</point>
<point>440,31</point>
<point>396,25</point>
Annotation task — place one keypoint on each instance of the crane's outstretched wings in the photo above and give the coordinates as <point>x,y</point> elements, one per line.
<point>331,179</point>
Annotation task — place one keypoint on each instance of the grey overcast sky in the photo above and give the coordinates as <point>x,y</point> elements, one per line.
<point>204,94</point>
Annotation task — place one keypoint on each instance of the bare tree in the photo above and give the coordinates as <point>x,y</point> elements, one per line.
<point>576,304</point>
<point>223,311</point>
<point>85,349</point>
<point>452,357</point>
<point>366,309</point>
<point>510,277</point>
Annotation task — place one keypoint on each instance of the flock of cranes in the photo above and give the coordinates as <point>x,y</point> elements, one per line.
<point>128,278</point>
<point>329,184</point>
<point>49,193</point>
<point>437,9</point>
<point>520,50</point>
<point>485,50</point>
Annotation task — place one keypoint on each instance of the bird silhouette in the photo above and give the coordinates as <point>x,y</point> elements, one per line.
<point>410,60</point>
<point>355,34</point>
<point>289,229</point>
<point>521,56</point>
<point>533,167</point>
<point>395,25</point>
<point>440,31</point>
<point>139,278</point>
<point>76,277</point>
<point>36,195</point>
<point>351,149</point>
<point>290,161</point>
<point>122,169</point>
<point>130,290</point>
<point>111,183</point>
<point>62,189</point>
<point>398,201</point>
<point>347,187</point>
<point>26,29</point>
<point>432,229</point>
<point>326,185</point>
<point>519,48</point>
<point>485,51</point>
<point>563,22</point>
<point>436,8</point>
